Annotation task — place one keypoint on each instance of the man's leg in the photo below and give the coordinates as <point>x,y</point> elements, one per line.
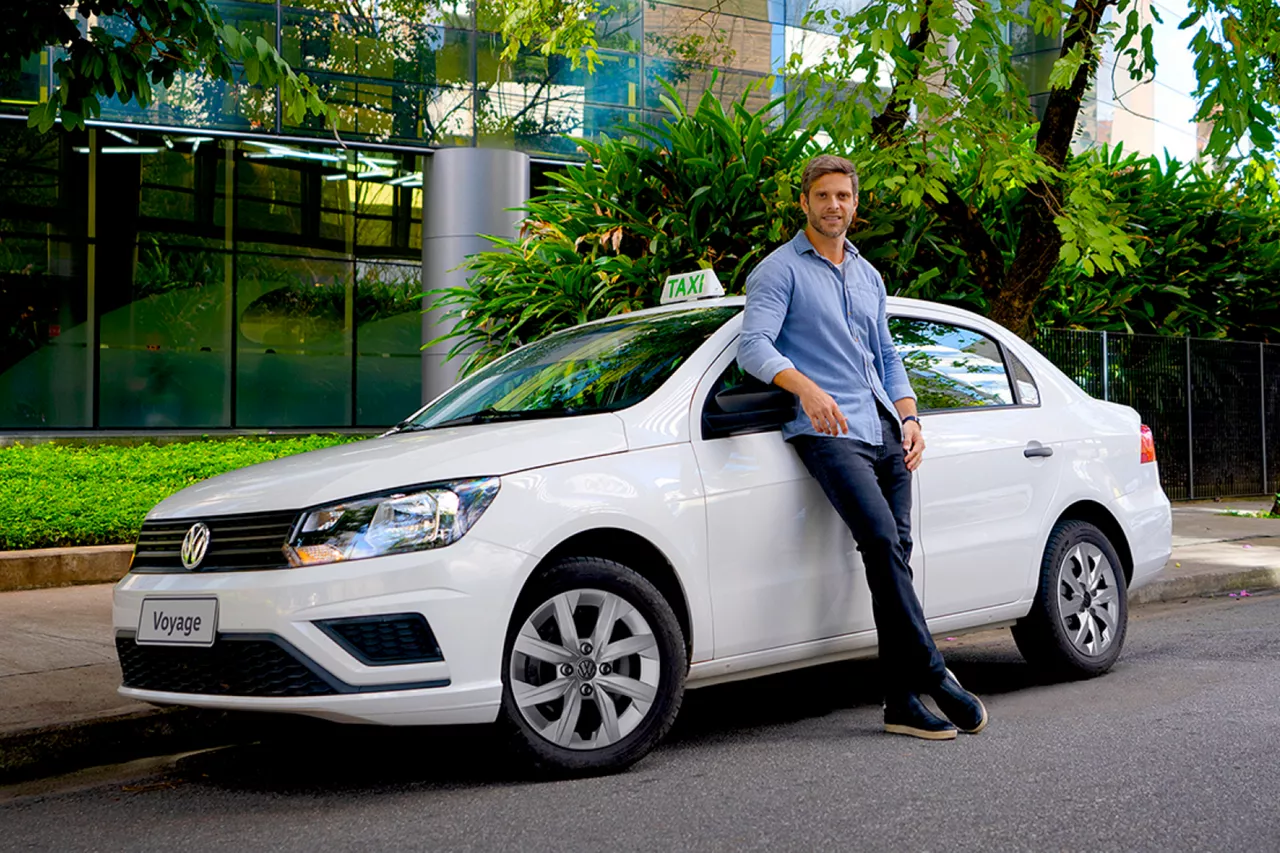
<point>849,474</point>
<point>961,707</point>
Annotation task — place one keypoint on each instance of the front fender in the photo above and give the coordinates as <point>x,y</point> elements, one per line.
<point>655,493</point>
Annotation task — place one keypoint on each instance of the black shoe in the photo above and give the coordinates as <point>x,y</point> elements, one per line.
<point>959,705</point>
<point>907,715</point>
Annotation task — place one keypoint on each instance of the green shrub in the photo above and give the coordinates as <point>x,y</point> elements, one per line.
<point>52,495</point>
<point>1209,256</point>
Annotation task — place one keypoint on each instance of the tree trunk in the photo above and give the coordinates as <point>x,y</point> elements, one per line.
<point>984,257</point>
<point>1040,241</point>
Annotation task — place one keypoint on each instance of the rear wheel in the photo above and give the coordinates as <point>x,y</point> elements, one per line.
<point>1077,624</point>
<point>593,670</point>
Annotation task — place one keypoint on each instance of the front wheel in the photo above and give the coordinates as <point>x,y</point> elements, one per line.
<point>1077,624</point>
<point>593,669</point>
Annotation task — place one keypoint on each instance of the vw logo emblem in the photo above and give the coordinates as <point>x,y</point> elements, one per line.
<point>586,669</point>
<point>195,544</point>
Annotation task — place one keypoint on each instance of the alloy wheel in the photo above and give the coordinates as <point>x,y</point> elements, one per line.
<point>1088,603</point>
<point>585,669</point>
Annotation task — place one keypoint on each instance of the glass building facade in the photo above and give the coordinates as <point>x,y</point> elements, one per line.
<point>1155,115</point>
<point>206,263</point>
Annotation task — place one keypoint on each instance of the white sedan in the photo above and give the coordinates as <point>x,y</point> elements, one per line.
<point>567,539</point>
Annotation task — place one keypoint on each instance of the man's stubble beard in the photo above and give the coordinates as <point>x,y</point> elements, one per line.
<point>815,222</point>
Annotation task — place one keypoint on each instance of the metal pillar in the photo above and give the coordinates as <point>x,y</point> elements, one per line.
<point>1106,368</point>
<point>1262,405</point>
<point>1191,453</point>
<point>467,193</point>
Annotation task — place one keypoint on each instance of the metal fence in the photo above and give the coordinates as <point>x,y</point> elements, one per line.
<point>1213,406</point>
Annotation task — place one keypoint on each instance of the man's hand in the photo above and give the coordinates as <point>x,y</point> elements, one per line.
<point>823,412</point>
<point>912,444</point>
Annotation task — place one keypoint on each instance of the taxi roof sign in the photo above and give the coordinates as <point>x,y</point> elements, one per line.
<point>700,284</point>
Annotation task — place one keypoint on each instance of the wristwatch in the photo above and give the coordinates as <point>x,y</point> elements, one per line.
<point>910,418</point>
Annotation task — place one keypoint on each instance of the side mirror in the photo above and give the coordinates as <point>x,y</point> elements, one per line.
<point>750,407</point>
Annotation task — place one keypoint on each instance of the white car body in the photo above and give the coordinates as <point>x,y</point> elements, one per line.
<point>766,576</point>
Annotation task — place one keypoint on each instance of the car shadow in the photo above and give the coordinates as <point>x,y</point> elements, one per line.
<point>291,755</point>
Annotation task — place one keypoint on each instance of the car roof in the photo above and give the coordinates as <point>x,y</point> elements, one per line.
<point>896,305</point>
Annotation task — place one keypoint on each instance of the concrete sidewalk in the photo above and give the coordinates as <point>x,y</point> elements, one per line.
<point>59,710</point>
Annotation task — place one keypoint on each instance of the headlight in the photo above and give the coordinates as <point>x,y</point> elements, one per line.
<point>430,517</point>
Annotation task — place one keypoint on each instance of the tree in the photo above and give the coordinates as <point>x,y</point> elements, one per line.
<point>907,87</point>
<point>952,85</point>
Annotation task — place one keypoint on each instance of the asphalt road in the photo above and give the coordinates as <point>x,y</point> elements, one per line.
<point>1178,748</point>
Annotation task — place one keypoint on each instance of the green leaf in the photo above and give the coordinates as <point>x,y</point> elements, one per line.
<point>1065,68</point>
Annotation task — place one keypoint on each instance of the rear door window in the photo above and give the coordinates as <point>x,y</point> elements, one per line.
<point>951,367</point>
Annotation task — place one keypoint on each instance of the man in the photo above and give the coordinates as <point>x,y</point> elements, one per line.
<point>815,325</point>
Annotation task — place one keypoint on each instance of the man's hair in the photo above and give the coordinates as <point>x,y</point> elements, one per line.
<point>827,164</point>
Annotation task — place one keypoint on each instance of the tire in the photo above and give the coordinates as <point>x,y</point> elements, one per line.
<point>643,685</point>
<point>1077,624</point>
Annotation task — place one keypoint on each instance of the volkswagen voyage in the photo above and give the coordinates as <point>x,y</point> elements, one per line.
<point>567,539</point>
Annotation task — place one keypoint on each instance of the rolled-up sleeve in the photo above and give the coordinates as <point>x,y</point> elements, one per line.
<point>894,377</point>
<point>768,297</point>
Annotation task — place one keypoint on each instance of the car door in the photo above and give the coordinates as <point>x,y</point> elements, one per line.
<point>989,473</point>
<point>783,567</point>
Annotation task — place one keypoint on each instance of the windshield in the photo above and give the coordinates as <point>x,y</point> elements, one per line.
<point>589,369</point>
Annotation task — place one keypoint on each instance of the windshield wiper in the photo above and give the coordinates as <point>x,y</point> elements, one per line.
<point>491,415</point>
<point>406,427</point>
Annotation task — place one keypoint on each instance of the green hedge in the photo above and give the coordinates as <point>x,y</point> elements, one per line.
<point>53,495</point>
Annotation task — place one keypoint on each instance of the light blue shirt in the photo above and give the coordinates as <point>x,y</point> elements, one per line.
<point>829,323</point>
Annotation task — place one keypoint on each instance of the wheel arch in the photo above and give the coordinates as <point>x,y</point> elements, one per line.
<point>636,553</point>
<point>1100,517</point>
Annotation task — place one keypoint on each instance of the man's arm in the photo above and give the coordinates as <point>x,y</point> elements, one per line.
<point>912,437</point>
<point>821,408</point>
<point>898,386</point>
<point>768,299</point>
<point>892,373</point>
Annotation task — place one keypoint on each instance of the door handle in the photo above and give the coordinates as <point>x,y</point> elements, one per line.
<point>1037,450</point>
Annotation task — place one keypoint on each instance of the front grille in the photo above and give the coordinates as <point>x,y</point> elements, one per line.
<point>236,543</point>
<point>396,638</point>
<point>233,666</point>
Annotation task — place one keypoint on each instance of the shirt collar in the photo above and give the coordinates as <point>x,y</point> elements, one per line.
<point>803,245</point>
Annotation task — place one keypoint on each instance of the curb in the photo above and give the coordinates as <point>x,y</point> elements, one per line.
<point>54,567</point>
<point>46,751</point>
<point>1193,586</point>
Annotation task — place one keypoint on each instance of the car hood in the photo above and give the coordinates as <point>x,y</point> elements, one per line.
<point>364,467</point>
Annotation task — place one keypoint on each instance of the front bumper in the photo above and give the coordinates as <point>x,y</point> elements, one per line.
<point>466,593</point>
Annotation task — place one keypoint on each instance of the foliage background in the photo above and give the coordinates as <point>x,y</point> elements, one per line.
<point>718,187</point>
<point>53,495</point>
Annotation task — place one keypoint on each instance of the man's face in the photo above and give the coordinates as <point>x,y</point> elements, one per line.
<point>830,205</point>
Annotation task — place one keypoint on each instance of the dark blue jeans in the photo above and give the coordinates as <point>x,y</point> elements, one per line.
<point>870,488</point>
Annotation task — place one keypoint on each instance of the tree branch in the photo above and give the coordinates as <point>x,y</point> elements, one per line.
<point>897,110</point>
<point>1058,125</point>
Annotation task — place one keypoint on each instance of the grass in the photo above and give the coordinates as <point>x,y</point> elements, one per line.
<point>1240,513</point>
<point>1274,512</point>
<point>54,495</point>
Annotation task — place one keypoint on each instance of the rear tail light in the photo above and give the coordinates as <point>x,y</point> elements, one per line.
<point>1148,445</point>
